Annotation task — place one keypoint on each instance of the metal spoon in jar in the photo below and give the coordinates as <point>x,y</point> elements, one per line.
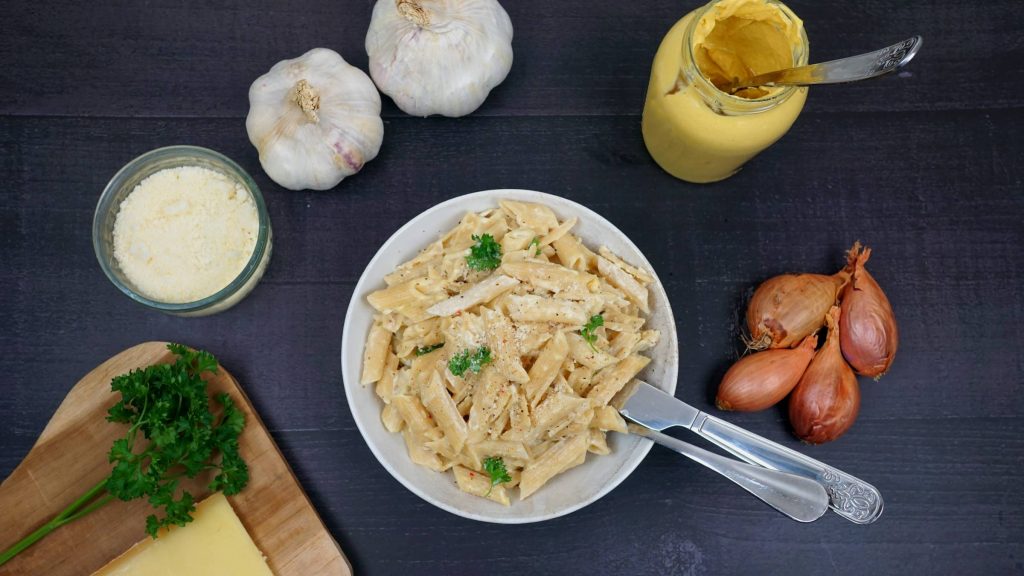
<point>849,69</point>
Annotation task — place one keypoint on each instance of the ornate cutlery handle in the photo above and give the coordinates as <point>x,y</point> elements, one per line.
<point>849,496</point>
<point>849,69</point>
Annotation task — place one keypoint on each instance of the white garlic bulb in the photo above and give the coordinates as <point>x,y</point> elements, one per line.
<point>315,120</point>
<point>439,56</point>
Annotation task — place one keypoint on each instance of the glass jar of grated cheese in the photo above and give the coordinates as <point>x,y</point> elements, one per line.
<point>183,230</point>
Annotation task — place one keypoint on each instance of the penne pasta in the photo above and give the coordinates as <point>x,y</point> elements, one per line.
<point>546,367</point>
<point>573,254</point>
<point>489,401</point>
<point>376,353</point>
<point>479,484</point>
<point>501,339</point>
<point>534,216</point>
<point>610,380</point>
<point>620,279</point>
<point>558,232</point>
<point>608,418</point>
<point>585,355</point>
<point>441,406</point>
<point>641,275</point>
<point>552,277</point>
<point>480,293</point>
<point>391,418</point>
<point>510,371</point>
<point>386,385</point>
<point>560,457</point>
<point>532,308</point>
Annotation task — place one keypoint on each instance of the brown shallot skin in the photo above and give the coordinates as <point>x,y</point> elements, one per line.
<point>786,309</point>
<point>762,379</point>
<point>825,403</point>
<point>867,332</point>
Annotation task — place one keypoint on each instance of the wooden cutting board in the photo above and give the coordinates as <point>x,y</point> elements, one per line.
<point>71,456</point>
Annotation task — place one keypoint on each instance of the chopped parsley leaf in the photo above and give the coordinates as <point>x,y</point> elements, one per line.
<point>420,351</point>
<point>485,254</point>
<point>587,332</point>
<point>469,360</point>
<point>494,466</point>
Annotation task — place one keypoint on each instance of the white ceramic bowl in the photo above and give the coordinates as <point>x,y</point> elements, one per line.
<point>567,492</point>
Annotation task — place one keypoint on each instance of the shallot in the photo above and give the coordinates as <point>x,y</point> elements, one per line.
<point>764,378</point>
<point>867,331</point>
<point>786,309</point>
<point>825,403</point>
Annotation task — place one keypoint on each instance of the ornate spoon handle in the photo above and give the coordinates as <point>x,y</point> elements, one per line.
<point>850,69</point>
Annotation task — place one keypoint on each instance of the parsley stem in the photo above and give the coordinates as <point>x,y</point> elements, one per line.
<point>92,493</point>
<point>69,514</point>
<point>96,505</point>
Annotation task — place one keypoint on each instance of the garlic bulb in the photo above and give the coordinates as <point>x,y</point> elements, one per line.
<point>439,56</point>
<point>315,120</point>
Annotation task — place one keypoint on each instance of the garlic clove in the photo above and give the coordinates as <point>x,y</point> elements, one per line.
<point>315,120</point>
<point>439,56</point>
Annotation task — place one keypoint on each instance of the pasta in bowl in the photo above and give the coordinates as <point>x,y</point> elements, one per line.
<point>501,329</point>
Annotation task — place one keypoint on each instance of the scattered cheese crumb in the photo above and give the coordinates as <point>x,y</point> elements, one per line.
<point>185,233</point>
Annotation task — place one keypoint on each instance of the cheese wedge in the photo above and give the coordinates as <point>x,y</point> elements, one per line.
<point>215,543</point>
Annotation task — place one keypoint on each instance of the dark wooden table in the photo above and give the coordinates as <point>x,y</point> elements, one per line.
<point>925,166</point>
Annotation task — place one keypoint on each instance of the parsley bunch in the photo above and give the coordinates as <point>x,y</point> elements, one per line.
<point>469,360</point>
<point>485,254</point>
<point>172,433</point>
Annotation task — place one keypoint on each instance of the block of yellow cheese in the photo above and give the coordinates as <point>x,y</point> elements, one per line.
<point>214,543</point>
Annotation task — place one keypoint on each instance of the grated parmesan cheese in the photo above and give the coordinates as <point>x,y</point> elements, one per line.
<point>185,233</point>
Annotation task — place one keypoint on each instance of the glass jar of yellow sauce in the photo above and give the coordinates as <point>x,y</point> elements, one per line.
<point>699,133</point>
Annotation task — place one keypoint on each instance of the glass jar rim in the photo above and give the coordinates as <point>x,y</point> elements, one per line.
<point>718,100</point>
<point>185,152</point>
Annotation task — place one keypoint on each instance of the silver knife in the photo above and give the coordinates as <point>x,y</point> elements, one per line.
<point>850,497</point>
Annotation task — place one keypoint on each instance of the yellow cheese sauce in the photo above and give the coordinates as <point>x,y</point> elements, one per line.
<point>695,131</point>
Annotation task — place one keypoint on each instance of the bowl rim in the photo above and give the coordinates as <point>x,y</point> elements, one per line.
<point>184,151</point>
<point>631,459</point>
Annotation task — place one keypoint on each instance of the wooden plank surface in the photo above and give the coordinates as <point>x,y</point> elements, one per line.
<point>927,168</point>
<point>578,57</point>
<point>70,457</point>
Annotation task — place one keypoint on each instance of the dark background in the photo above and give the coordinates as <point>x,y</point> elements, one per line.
<point>925,166</point>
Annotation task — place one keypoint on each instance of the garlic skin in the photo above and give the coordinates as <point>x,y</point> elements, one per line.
<point>439,56</point>
<point>314,119</point>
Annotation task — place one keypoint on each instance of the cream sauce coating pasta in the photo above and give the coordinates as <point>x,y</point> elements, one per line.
<point>543,395</point>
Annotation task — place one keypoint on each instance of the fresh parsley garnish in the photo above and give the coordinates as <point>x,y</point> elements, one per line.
<point>485,254</point>
<point>535,242</point>
<point>469,360</point>
<point>587,332</point>
<point>172,433</point>
<point>420,351</point>
<point>168,405</point>
<point>494,466</point>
